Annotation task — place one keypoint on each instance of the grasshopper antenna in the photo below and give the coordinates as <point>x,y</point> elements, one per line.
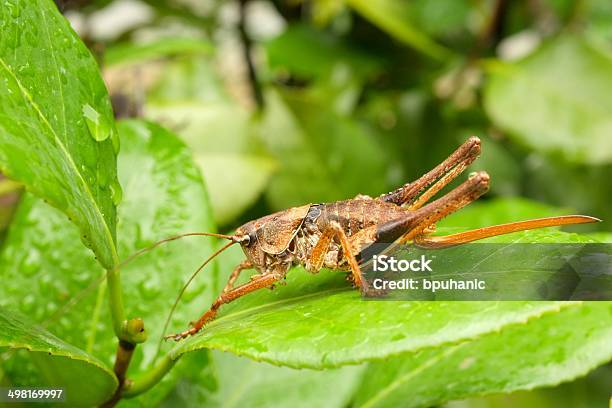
<point>85,292</point>
<point>235,240</point>
<point>170,239</point>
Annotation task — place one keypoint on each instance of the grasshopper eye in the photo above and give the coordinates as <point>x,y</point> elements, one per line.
<point>244,239</point>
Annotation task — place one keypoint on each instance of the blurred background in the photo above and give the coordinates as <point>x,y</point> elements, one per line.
<point>288,102</point>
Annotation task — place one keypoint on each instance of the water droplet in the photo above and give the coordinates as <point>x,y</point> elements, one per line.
<point>116,192</point>
<point>98,128</point>
<point>116,142</point>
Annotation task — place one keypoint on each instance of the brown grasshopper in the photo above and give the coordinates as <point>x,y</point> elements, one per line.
<point>333,235</point>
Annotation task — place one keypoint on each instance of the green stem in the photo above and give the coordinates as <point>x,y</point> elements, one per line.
<point>148,380</point>
<point>113,278</point>
<point>131,331</point>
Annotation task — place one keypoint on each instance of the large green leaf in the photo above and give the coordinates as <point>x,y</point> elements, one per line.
<point>319,321</point>
<point>67,365</point>
<point>163,196</point>
<point>555,348</point>
<point>57,132</point>
<point>556,100</point>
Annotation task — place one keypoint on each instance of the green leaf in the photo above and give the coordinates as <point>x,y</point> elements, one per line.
<point>319,321</point>
<point>556,100</point>
<point>590,391</point>
<point>129,52</point>
<point>547,351</point>
<point>57,132</point>
<point>322,156</point>
<point>56,281</point>
<point>396,18</point>
<point>243,382</point>
<point>65,364</point>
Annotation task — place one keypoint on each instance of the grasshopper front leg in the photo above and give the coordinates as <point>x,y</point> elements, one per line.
<point>242,266</point>
<point>229,295</point>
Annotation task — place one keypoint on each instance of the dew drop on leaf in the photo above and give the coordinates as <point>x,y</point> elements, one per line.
<point>115,141</point>
<point>98,128</point>
<point>116,192</point>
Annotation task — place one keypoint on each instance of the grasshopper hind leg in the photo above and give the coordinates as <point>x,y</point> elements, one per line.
<point>415,194</point>
<point>487,232</point>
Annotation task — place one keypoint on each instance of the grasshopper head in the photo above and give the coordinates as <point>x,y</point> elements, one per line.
<point>271,234</point>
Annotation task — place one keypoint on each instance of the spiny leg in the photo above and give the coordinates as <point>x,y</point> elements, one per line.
<point>414,223</point>
<point>416,193</point>
<point>334,230</point>
<point>464,194</point>
<point>486,232</point>
<point>317,256</point>
<point>257,282</point>
<point>437,186</point>
<point>244,265</point>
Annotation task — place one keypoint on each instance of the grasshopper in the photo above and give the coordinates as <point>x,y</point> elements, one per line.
<point>332,235</point>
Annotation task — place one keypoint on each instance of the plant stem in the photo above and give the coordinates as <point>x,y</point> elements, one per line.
<point>148,380</point>
<point>125,351</point>
<point>129,332</point>
<point>116,303</point>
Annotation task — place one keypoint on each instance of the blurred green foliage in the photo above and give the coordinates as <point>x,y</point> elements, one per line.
<point>348,97</point>
<point>288,102</point>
